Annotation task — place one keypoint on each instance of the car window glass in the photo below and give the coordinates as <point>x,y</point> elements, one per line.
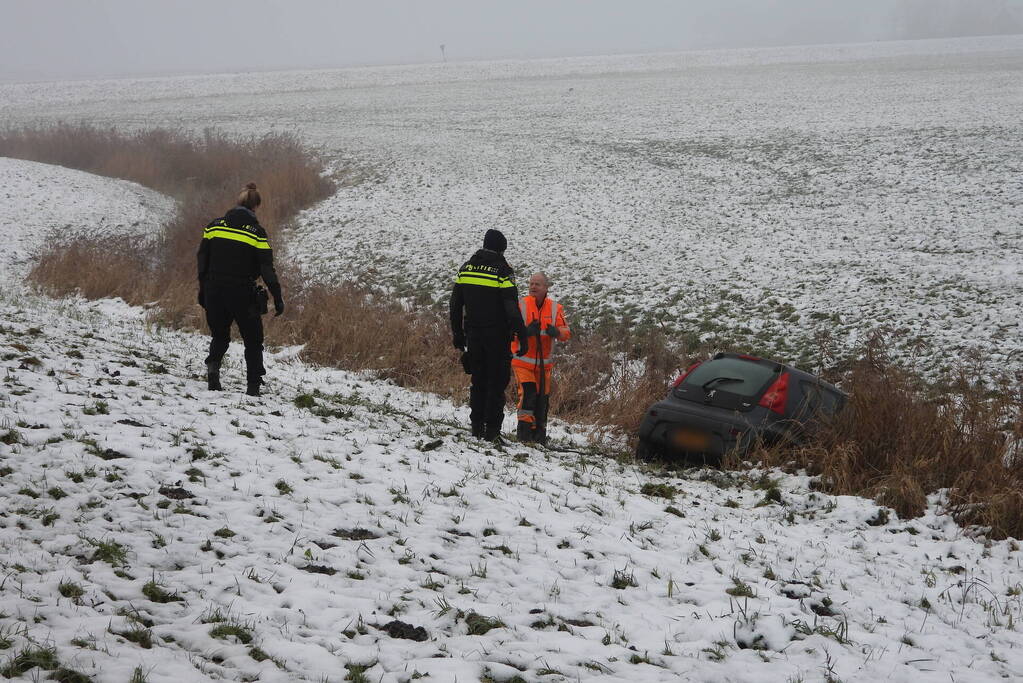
<point>752,376</point>
<point>830,401</point>
<point>817,400</point>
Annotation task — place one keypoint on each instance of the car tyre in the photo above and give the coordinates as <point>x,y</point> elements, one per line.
<point>647,451</point>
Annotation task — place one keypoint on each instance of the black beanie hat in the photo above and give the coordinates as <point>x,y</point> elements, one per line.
<point>495,241</point>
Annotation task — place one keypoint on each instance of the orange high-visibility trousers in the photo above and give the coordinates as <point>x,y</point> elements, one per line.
<point>528,379</point>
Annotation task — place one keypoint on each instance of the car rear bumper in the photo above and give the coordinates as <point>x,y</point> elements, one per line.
<point>669,426</point>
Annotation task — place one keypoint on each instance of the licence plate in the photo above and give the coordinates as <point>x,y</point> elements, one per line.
<point>690,439</point>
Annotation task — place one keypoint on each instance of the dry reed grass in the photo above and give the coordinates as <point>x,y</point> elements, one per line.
<point>899,440</point>
<point>203,172</point>
<point>896,442</point>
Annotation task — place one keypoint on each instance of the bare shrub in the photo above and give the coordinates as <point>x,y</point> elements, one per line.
<point>610,378</point>
<point>899,440</point>
<point>350,327</point>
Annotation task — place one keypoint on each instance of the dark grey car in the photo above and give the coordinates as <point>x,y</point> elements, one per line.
<point>731,402</point>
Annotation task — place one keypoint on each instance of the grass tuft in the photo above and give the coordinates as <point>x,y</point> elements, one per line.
<point>143,637</point>
<point>480,625</point>
<point>659,490</point>
<point>155,593</point>
<point>622,580</point>
<point>44,658</point>
<point>230,629</point>
<point>110,552</point>
<point>71,590</point>
<point>740,589</point>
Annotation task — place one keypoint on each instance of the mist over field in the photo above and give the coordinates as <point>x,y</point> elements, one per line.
<point>116,38</point>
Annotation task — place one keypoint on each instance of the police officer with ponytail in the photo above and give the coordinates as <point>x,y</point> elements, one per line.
<point>234,252</point>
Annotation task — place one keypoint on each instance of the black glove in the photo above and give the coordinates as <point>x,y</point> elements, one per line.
<point>202,297</point>
<point>523,346</point>
<point>533,328</point>
<point>275,292</point>
<point>459,342</point>
<point>552,331</point>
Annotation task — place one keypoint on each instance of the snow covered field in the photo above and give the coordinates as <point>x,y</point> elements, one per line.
<point>345,529</point>
<point>750,197</point>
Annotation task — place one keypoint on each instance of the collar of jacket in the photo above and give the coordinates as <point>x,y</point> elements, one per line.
<point>246,209</point>
<point>239,216</point>
<point>489,256</point>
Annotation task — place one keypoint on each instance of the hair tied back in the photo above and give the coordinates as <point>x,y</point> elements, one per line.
<point>249,197</point>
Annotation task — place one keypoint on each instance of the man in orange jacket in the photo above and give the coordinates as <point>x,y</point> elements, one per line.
<point>545,321</point>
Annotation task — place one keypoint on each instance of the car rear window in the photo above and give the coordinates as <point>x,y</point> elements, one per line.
<point>734,375</point>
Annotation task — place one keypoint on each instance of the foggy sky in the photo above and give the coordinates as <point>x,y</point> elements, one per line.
<point>56,39</point>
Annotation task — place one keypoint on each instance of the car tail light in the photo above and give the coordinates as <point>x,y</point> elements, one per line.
<point>777,394</point>
<point>681,378</point>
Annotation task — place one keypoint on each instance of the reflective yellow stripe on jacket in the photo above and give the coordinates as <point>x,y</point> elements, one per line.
<point>221,231</point>
<point>467,277</point>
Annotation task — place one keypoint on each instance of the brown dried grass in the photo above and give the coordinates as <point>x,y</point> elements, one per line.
<point>897,441</point>
<point>900,439</point>
<point>203,172</point>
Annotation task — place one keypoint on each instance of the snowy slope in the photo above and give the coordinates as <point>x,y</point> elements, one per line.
<point>41,203</point>
<point>313,528</point>
<point>148,525</point>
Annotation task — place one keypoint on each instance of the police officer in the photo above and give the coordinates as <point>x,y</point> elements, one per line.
<point>484,316</point>
<point>234,252</point>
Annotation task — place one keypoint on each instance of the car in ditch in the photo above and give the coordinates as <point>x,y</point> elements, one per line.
<point>732,402</point>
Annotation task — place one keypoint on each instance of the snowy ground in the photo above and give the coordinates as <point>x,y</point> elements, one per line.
<point>307,530</point>
<point>43,204</point>
<point>150,527</point>
<point>753,198</point>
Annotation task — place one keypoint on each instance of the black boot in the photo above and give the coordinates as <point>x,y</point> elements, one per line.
<point>492,433</point>
<point>253,388</point>
<point>477,430</point>
<point>524,432</point>
<point>540,436</point>
<point>213,378</point>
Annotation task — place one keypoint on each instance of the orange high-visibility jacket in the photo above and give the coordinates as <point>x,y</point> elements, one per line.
<point>549,313</point>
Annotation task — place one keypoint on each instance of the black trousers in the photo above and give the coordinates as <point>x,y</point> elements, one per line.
<point>490,361</point>
<point>226,304</point>
<point>537,406</point>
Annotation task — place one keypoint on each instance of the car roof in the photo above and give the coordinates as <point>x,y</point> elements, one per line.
<point>800,374</point>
